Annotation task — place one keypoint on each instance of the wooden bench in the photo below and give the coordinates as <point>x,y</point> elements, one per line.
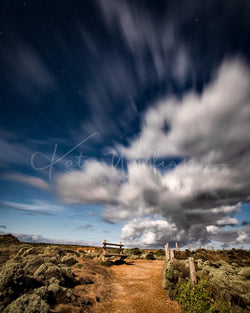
<point>108,245</point>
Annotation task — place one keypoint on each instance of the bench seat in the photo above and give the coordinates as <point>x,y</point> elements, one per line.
<point>123,256</point>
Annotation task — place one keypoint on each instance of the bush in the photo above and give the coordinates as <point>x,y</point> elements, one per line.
<point>206,296</point>
<point>107,263</point>
<point>194,299</point>
<point>160,252</point>
<point>136,251</point>
<point>150,256</point>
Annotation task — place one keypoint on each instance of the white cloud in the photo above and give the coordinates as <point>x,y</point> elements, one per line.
<point>148,232</point>
<point>96,183</point>
<point>242,236</point>
<point>227,221</point>
<point>212,229</point>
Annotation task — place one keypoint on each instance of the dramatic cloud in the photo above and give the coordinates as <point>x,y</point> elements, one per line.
<point>213,126</point>
<point>198,196</point>
<point>186,197</point>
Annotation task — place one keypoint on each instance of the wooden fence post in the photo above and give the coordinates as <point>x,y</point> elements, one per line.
<point>167,251</point>
<point>188,247</point>
<point>104,250</point>
<point>172,254</point>
<point>120,248</point>
<point>176,246</point>
<point>192,271</point>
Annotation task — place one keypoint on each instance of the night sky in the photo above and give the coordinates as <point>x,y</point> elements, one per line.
<point>126,121</point>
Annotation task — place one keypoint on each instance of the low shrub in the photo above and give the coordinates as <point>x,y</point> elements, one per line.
<point>222,286</point>
<point>107,263</point>
<point>150,256</point>
<point>135,251</point>
<point>194,300</point>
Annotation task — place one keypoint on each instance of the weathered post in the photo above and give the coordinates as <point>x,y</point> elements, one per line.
<point>167,251</point>
<point>176,246</point>
<point>213,249</point>
<point>104,250</point>
<point>192,271</point>
<point>120,248</point>
<point>172,254</point>
<point>188,247</point>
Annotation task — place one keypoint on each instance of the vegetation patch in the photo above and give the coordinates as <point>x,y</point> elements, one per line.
<point>42,278</point>
<point>223,284</point>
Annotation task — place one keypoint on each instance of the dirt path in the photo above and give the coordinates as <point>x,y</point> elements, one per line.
<point>137,288</point>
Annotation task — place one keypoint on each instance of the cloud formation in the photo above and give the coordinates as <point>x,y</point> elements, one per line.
<point>96,183</point>
<point>199,196</point>
<point>213,126</point>
<point>148,232</point>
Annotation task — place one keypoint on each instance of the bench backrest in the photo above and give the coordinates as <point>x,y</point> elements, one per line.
<point>108,245</point>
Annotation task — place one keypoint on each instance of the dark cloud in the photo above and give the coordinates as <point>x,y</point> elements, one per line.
<point>3,226</point>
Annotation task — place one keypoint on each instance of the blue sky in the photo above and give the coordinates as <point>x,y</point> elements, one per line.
<point>126,121</point>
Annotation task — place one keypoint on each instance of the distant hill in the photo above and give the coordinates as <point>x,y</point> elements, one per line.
<point>8,239</point>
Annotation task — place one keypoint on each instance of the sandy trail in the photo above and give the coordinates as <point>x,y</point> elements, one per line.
<point>137,288</point>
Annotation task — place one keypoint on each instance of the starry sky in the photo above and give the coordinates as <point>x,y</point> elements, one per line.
<point>126,121</point>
